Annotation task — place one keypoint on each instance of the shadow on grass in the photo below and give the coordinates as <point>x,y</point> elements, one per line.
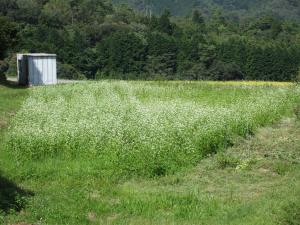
<point>12,84</point>
<point>12,197</point>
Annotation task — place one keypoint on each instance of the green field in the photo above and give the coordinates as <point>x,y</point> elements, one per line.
<point>116,152</point>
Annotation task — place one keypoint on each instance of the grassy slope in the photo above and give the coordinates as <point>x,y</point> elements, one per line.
<point>257,181</point>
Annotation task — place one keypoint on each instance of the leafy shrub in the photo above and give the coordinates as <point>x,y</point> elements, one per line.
<point>11,61</point>
<point>100,75</point>
<point>195,72</point>
<point>3,69</point>
<point>67,71</point>
<point>110,75</point>
<point>226,71</point>
<point>297,77</point>
<point>8,33</point>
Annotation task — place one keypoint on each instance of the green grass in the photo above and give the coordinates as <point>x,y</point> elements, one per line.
<point>256,181</point>
<point>10,99</point>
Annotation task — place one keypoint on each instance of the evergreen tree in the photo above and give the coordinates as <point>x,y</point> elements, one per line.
<point>93,37</point>
<point>8,35</point>
<point>197,17</point>
<point>123,52</point>
<point>164,24</point>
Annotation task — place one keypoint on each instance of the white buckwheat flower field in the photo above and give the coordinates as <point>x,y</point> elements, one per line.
<point>143,128</point>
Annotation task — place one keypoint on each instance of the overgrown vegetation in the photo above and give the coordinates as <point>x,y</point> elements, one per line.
<point>96,40</point>
<point>142,128</point>
<point>256,181</point>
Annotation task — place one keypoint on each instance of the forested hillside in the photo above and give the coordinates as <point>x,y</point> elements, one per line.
<point>97,40</point>
<point>288,9</point>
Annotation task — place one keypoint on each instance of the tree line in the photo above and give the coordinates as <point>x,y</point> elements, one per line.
<point>94,39</point>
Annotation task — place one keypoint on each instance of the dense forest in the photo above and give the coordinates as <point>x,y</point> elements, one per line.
<point>288,9</point>
<point>95,39</point>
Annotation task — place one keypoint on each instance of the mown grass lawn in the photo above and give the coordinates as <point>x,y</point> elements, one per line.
<point>255,181</point>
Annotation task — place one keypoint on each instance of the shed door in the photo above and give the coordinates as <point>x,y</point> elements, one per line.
<point>23,70</point>
<point>42,70</point>
<point>35,65</point>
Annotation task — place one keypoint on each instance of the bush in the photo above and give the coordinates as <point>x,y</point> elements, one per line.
<point>297,77</point>
<point>110,75</point>
<point>67,71</point>
<point>226,71</point>
<point>11,62</point>
<point>195,72</point>
<point>3,69</point>
<point>100,75</point>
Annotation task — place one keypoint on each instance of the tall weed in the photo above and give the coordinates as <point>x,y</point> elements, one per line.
<point>142,128</point>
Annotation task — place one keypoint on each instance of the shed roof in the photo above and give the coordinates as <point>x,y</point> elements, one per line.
<point>36,54</point>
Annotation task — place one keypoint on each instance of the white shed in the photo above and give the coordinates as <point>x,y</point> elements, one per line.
<point>37,69</point>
